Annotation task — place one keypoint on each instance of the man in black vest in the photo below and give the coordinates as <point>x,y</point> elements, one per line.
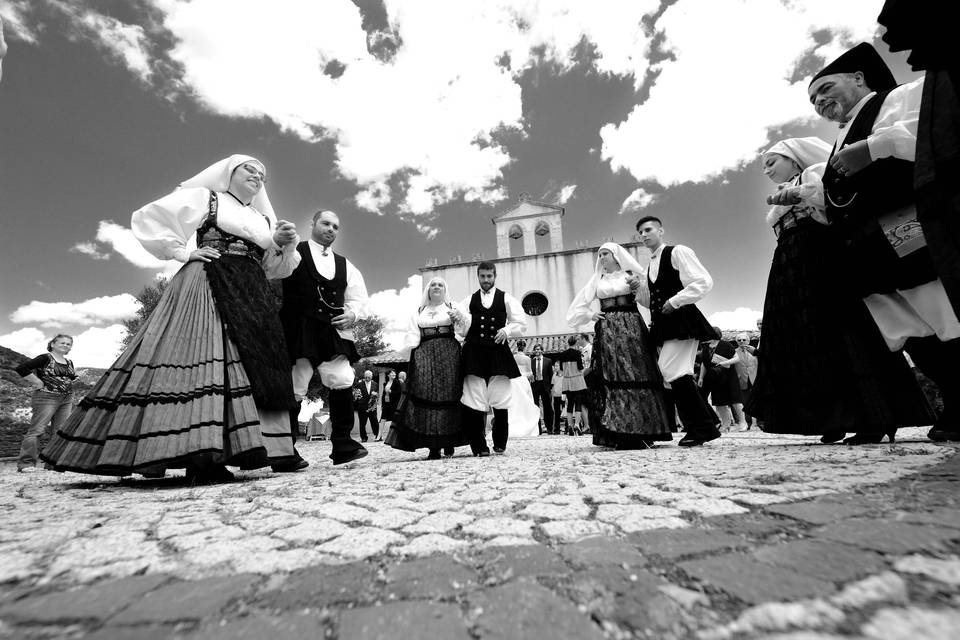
<point>677,280</point>
<point>488,363</point>
<point>870,201</point>
<point>542,385</point>
<point>322,299</point>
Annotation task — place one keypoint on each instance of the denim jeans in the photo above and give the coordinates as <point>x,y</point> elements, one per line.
<point>47,407</point>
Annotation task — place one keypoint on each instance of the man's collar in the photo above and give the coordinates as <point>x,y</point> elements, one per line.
<point>319,247</point>
<point>657,250</point>
<point>856,109</point>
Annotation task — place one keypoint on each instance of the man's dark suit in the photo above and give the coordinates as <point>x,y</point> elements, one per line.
<point>365,403</point>
<point>542,388</point>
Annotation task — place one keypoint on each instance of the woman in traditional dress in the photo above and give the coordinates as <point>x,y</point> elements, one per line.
<point>574,387</point>
<point>205,382</point>
<point>523,412</point>
<point>623,371</point>
<point>823,368</point>
<point>388,404</point>
<point>428,415</point>
<point>720,380</point>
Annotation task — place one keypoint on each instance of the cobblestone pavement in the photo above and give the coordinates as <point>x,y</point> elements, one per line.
<point>751,536</point>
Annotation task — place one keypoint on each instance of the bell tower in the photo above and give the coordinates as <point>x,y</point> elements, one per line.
<point>527,220</point>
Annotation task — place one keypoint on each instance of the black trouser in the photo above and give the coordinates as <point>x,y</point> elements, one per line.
<point>698,418</point>
<point>557,413</point>
<point>341,424</point>
<point>937,360</point>
<point>295,427</point>
<point>501,428</point>
<point>475,427</point>
<point>541,397</point>
<point>374,424</point>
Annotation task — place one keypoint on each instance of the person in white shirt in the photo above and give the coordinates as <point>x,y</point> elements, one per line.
<point>868,186</point>
<point>492,317</point>
<point>204,383</point>
<point>676,282</point>
<point>322,299</point>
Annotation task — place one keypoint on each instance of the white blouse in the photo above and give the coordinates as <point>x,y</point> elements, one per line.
<point>431,316</point>
<point>811,196</point>
<point>165,227</point>
<point>610,285</point>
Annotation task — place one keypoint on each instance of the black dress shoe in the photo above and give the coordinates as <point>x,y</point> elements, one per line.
<point>482,454</point>
<point>690,441</point>
<point>350,457</point>
<point>864,438</point>
<point>434,454</point>
<point>214,474</point>
<point>833,436</point>
<point>499,450</point>
<point>944,434</point>
<point>290,467</point>
<point>448,452</point>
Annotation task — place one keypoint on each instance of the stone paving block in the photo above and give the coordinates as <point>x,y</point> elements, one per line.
<point>824,560</point>
<point>946,571</point>
<point>943,516</point>
<point>324,585</point>
<point>361,542</point>
<point>429,544</point>
<point>96,602</point>
<point>602,550</point>
<point>312,530</point>
<point>754,582</point>
<point>573,530</point>
<point>492,527</point>
<point>754,525</point>
<point>886,587</point>
<point>436,577</point>
<point>153,632</point>
<point>403,620</point>
<point>819,511</point>
<point>526,610</point>
<point>261,627</point>
<point>552,511</point>
<point>676,543</point>
<point>885,536</point>
<point>911,623</point>
<point>439,522</point>
<point>522,561</point>
<point>629,597</point>
<point>192,600</point>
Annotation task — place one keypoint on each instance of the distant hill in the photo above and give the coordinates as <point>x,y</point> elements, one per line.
<point>10,358</point>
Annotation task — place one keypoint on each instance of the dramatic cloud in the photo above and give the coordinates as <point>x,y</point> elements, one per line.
<point>740,318</point>
<point>89,312</point>
<point>566,193</point>
<point>121,239</point>
<point>93,347</point>
<point>713,104</point>
<point>636,201</point>
<point>396,308</point>
<point>89,249</point>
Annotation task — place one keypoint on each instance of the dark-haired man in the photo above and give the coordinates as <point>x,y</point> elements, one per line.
<point>542,384</point>
<point>488,365</point>
<point>870,201</point>
<point>677,280</point>
<point>322,299</point>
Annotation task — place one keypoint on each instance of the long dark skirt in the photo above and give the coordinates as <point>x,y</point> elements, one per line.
<point>181,393</point>
<point>428,414</point>
<point>628,404</point>
<point>823,365</point>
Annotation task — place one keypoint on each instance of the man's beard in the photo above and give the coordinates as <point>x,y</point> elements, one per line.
<point>486,286</point>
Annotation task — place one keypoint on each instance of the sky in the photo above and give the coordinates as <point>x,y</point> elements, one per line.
<point>416,120</point>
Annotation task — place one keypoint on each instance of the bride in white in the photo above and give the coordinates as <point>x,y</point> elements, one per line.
<point>523,412</point>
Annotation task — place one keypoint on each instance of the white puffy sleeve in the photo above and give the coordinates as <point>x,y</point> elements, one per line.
<point>460,328</point>
<point>164,226</point>
<point>584,306</point>
<point>411,339</point>
<point>279,262</point>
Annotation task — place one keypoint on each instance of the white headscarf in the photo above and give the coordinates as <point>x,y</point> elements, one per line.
<point>803,151</point>
<point>425,301</point>
<point>588,294</point>
<point>217,176</point>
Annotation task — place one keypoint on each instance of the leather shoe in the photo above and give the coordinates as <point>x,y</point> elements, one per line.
<point>689,441</point>
<point>448,452</point>
<point>944,434</point>
<point>290,467</point>
<point>832,436</point>
<point>434,454</point>
<point>482,454</point>
<point>210,475</point>
<point>350,457</point>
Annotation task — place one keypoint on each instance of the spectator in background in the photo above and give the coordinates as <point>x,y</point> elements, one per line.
<point>574,387</point>
<point>51,376</point>
<point>391,394</point>
<point>720,380</point>
<point>746,368</point>
<point>365,399</point>
<point>542,383</point>
<point>556,389</point>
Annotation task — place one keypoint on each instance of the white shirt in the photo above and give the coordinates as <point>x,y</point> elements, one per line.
<point>516,318</point>
<point>166,228</point>
<point>696,280</point>
<point>613,284</point>
<point>894,132</point>
<point>355,296</point>
<point>430,316</point>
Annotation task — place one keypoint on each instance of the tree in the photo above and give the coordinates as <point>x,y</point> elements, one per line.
<point>368,336</point>
<point>148,299</point>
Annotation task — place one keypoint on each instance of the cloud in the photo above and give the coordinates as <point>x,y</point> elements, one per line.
<point>741,318</point>
<point>94,347</point>
<point>636,201</point>
<point>713,105</point>
<point>89,312</point>
<point>395,309</point>
<point>15,20</point>
<point>566,193</point>
<point>89,249</point>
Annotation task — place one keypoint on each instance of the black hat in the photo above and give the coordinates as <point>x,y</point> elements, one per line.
<point>865,59</point>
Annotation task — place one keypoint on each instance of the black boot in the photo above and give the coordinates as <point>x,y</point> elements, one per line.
<point>935,359</point>
<point>345,448</point>
<point>297,463</point>
<point>501,430</point>
<point>699,419</point>
<point>474,423</point>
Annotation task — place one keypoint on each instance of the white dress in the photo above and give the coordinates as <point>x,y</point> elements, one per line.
<point>523,412</point>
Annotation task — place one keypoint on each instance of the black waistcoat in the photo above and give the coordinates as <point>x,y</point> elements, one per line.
<point>486,322</point>
<point>685,323</point>
<point>854,205</point>
<point>303,289</point>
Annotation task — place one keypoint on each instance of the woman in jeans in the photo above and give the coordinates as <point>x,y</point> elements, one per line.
<point>51,375</point>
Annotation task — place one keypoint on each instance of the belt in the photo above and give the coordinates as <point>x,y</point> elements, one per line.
<point>442,330</point>
<point>791,219</point>
<point>234,248</point>
<point>625,300</point>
